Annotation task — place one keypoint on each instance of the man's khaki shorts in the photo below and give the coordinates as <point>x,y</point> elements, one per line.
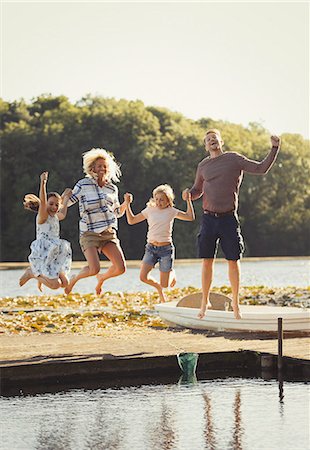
<point>98,240</point>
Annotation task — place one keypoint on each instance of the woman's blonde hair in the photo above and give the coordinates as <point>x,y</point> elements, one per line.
<point>32,202</point>
<point>165,189</point>
<point>90,157</point>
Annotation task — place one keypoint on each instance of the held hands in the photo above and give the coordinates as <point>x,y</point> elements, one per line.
<point>66,194</point>
<point>128,198</point>
<point>186,195</point>
<point>44,176</point>
<point>275,141</point>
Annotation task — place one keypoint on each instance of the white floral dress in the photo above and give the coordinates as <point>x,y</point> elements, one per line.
<point>50,255</point>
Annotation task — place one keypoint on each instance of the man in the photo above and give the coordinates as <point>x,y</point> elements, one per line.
<point>218,179</point>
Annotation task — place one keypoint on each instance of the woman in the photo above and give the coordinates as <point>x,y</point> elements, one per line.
<point>99,210</point>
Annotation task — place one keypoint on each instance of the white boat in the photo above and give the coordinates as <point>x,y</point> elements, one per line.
<point>221,318</point>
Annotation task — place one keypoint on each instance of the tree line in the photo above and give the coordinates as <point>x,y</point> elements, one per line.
<point>153,145</point>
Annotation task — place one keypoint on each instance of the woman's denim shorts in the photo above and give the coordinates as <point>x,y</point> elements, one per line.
<point>164,255</point>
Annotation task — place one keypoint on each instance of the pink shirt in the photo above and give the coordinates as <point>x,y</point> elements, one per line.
<point>219,179</point>
<point>160,222</point>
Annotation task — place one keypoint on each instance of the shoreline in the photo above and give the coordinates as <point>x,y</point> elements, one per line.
<point>34,363</point>
<point>59,339</point>
<point>136,263</point>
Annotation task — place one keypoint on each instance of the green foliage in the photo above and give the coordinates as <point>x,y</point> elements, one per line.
<point>154,146</point>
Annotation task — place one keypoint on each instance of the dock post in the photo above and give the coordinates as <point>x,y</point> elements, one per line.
<point>280,344</point>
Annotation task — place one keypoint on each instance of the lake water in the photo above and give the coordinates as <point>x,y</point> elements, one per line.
<point>273,273</point>
<point>229,414</point>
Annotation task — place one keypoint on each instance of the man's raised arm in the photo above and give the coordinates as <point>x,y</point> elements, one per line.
<point>262,167</point>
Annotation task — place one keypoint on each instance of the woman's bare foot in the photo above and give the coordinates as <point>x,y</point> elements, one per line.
<point>63,280</point>
<point>26,277</point>
<point>203,309</point>
<point>70,285</point>
<point>236,311</point>
<point>100,279</point>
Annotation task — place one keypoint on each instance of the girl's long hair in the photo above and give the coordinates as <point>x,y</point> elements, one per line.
<point>165,189</point>
<point>32,202</point>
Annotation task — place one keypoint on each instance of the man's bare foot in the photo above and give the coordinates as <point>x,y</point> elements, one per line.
<point>25,277</point>
<point>237,312</point>
<point>203,309</point>
<point>63,280</point>
<point>70,285</point>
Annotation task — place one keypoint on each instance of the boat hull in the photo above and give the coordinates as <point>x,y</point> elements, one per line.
<point>254,318</point>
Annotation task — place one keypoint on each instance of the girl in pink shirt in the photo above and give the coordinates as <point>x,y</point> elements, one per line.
<point>160,214</point>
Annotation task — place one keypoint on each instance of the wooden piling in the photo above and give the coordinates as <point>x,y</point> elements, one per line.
<point>280,343</point>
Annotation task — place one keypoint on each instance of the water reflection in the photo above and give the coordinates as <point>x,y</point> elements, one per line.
<point>105,436</point>
<point>238,430</point>
<point>51,436</point>
<point>281,390</point>
<point>166,436</point>
<point>209,429</point>
<point>217,414</point>
<point>209,432</point>
<point>186,379</point>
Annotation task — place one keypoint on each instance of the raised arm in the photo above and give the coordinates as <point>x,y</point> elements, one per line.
<point>42,212</point>
<point>262,167</point>
<point>123,207</point>
<point>132,218</point>
<point>190,213</point>
<point>65,196</point>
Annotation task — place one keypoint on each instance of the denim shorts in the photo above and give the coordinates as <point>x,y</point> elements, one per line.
<point>164,255</point>
<point>224,230</point>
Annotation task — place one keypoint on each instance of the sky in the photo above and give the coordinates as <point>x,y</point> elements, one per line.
<point>236,61</point>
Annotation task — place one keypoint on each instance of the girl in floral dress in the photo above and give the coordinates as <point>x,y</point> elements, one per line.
<point>50,257</point>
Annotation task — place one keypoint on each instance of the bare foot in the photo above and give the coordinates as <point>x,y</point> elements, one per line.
<point>203,309</point>
<point>70,285</point>
<point>99,284</point>
<point>40,286</point>
<point>173,279</point>
<point>237,312</point>
<point>63,280</point>
<point>26,277</point>
<point>162,297</point>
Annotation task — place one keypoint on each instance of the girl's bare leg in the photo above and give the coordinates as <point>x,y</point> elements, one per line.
<point>27,275</point>
<point>206,281</point>
<point>168,279</point>
<point>63,280</point>
<point>93,267</point>
<point>51,283</point>
<point>234,278</point>
<point>115,255</point>
<point>146,278</point>
<point>172,278</point>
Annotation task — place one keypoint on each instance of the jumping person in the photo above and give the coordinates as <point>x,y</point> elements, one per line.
<point>218,179</point>
<point>160,214</point>
<point>99,210</point>
<point>50,257</point>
